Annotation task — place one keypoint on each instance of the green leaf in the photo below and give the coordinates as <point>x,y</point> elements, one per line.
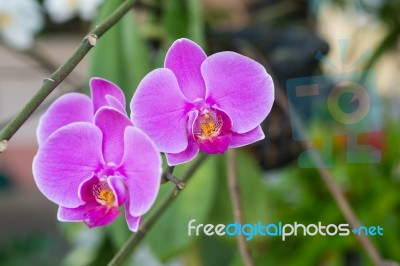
<point>176,19</point>
<point>183,19</point>
<point>121,55</point>
<point>169,236</point>
<point>196,24</point>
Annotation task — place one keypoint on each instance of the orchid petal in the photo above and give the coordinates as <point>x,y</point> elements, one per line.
<point>100,216</point>
<point>240,140</point>
<point>69,108</point>
<point>68,157</point>
<point>100,88</point>
<point>160,109</point>
<point>112,123</point>
<point>216,145</point>
<point>117,185</point>
<point>240,86</point>
<point>132,221</point>
<point>184,58</point>
<point>71,214</point>
<point>192,150</point>
<point>141,165</point>
<point>183,157</point>
<point>85,190</point>
<point>114,103</point>
<point>90,214</point>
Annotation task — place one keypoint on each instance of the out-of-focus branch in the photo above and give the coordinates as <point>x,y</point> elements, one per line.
<point>46,63</point>
<point>64,70</point>
<point>318,161</point>
<point>234,192</point>
<point>330,182</point>
<point>135,239</point>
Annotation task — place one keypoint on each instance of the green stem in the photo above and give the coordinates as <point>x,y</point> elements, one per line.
<point>135,239</point>
<point>64,70</point>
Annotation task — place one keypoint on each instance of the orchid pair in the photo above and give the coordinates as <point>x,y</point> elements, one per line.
<point>93,159</point>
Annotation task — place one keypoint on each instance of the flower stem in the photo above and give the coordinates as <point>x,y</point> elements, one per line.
<point>168,176</point>
<point>234,192</point>
<point>50,83</point>
<point>178,182</point>
<point>135,239</point>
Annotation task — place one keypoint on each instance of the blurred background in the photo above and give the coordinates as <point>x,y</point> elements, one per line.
<point>301,43</point>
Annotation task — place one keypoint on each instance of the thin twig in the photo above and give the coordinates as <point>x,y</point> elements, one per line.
<point>135,239</point>
<point>168,176</point>
<point>64,70</point>
<point>178,182</point>
<point>234,192</point>
<point>48,64</point>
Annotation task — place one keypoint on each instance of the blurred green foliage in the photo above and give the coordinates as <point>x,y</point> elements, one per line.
<point>32,248</point>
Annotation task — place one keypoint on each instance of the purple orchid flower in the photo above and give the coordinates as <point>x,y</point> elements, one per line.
<point>202,103</point>
<point>91,160</point>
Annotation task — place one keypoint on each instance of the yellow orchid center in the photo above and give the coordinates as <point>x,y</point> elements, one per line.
<point>103,194</point>
<point>209,124</point>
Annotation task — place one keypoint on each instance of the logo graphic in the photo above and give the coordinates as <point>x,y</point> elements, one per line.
<point>280,229</point>
<point>346,103</point>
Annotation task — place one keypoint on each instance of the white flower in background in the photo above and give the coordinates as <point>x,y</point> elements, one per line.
<point>19,21</point>
<point>63,10</point>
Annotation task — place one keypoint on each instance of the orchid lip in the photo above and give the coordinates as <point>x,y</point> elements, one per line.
<point>103,191</point>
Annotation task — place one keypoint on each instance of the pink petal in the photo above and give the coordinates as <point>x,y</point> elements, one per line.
<point>100,216</point>
<point>184,58</point>
<point>141,165</point>
<point>71,214</point>
<point>112,123</point>
<point>69,108</point>
<point>191,151</point>
<point>68,157</point>
<point>215,145</point>
<point>240,86</point>
<point>159,108</point>
<point>117,185</point>
<point>183,157</point>
<point>114,103</point>
<point>239,140</point>
<point>90,214</point>
<point>132,221</point>
<point>100,88</point>
<point>85,190</point>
